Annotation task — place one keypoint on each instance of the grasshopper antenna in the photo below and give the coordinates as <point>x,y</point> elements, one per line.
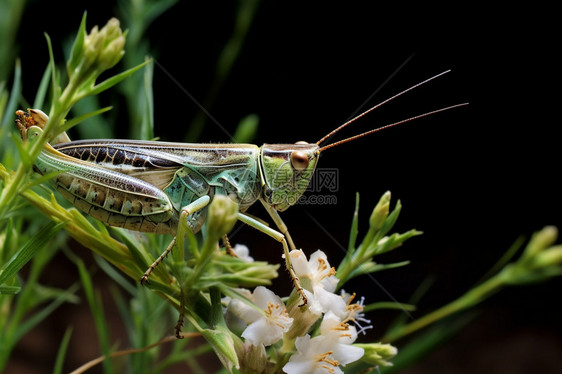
<point>329,135</point>
<point>389,126</point>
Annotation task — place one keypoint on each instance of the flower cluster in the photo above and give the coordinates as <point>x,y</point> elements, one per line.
<point>306,345</point>
<point>95,52</point>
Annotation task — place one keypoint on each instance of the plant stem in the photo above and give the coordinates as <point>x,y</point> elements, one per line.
<point>469,299</point>
<point>207,254</point>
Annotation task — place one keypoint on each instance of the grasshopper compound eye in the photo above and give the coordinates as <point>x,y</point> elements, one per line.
<point>299,160</point>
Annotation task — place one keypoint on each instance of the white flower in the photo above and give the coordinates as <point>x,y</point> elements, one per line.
<point>340,335</point>
<point>319,281</point>
<point>355,312</point>
<point>317,269</point>
<point>313,356</point>
<point>266,326</point>
<point>243,252</point>
<point>236,308</point>
<point>327,351</point>
<point>321,301</point>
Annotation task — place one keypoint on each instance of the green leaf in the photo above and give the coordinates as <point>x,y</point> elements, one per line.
<point>35,319</point>
<point>140,257</point>
<point>73,122</point>
<point>504,260</point>
<point>62,351</point>
<point>44,178</point>
<point>43,87</point>
<point>9,290</point>
<point>3,100</point>
<point>15,95</point>
<point>78,46</point>
<point>93,127</point>
<point>155,9</point>
<point>389,305</point>
<point>110,82</point>
<point>403,318</point>
<point>247,128</point>
<point>8,231</point>
<point>54,87</point>
<point>125,283</point>
<point>22,257</point>
<point>147,124</point>
<point>394,241</point>
<point>96,306</point>
<point>354,226</point>
<point>372,267</point>
<point>22,152</point>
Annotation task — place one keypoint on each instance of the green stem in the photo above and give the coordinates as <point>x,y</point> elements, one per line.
<point>469,299</point>
<point>207,254</point>
<point>346,267</point>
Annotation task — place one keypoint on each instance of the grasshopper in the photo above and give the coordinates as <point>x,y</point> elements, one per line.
<point>152,186</point>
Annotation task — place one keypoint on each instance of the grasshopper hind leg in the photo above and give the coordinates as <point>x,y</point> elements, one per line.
<point>195,206</point>
<point>144,278</point>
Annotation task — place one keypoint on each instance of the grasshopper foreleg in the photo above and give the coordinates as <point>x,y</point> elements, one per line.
<point>279,223</point>
<point>280,238</point>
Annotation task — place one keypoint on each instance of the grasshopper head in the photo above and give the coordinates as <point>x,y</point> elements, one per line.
<point>31,118</point>
<point>287,170</point>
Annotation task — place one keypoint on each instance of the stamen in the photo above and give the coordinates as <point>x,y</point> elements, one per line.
<point>323,357</point>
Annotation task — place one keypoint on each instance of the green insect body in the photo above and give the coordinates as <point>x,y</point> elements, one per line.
<point>143,185</point>
<point>152,186</point>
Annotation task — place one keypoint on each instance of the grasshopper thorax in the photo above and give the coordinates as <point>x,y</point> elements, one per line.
<point>286,171</point>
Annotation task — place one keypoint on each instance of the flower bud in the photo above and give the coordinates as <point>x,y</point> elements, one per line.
<point>549,257</point>
<point>112,53</point>
<point>223,214</point>
<point>380,212</point>
<point>224,346</point>
<point>96,51</point>
<point>541,240</point>
<point>112,29</point>
<point>378,353</point>
<point>254,358</point>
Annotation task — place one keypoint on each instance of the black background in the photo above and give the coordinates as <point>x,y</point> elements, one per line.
<point>473,179</point>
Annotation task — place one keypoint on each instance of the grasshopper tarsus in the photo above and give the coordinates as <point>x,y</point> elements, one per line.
<point>304,299</point>
<point>144,279</point>
<point>301,292</point>
<point>179,324</point>
<point>297,285</point>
